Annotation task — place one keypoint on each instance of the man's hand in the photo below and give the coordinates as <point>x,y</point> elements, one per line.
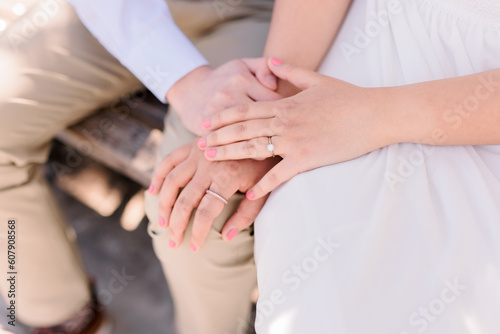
<point>205,91</point>
<point>187,168</point>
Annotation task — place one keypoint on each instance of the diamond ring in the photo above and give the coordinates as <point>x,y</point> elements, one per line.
<point>270,147</point>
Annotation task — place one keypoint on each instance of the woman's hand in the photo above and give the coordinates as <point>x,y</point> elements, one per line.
<point>187,168</point>
<point>328,122</point>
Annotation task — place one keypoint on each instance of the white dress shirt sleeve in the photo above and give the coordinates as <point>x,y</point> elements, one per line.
<point>142,35</point>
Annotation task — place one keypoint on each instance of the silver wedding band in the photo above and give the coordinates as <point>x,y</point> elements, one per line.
<point>214,194</point>
<point>270,147</point>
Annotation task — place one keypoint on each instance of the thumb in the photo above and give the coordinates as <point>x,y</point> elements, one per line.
<point>299,77</point>
<point>259,68</point>
<point>243,217</point>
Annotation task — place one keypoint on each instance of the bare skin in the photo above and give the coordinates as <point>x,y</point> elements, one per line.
<point>332,121</point>
<point>288,37</point>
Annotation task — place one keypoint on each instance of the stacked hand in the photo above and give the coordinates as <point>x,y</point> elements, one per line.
<point>328,122</point>
<point>187,168</point>
<point>195,97</point>
<point>205,91</point>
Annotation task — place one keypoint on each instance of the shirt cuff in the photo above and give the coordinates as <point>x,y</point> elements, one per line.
<point>160,67</point>
<point>144,38</point>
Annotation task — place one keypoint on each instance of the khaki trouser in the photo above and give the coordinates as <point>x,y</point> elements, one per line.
<point>54,78</point>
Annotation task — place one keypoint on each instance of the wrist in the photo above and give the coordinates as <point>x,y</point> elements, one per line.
<point>401,113</point>
<point>184,86</point>
<point>415,116</point>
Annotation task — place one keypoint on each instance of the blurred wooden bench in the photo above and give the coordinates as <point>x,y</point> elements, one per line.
<point>124,136</point>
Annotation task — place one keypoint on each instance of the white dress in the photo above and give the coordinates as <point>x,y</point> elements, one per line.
<point>405,239</point>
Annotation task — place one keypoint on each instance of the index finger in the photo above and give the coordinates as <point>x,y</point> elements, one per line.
<point>240,113</point>
<point>167,164</point>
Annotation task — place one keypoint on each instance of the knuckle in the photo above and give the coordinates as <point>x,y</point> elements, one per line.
<point>162,208</point>
<point>155,178</point>
<point>246,219</point>
<point>217,118</point>
<point>171,178</point>
<point>173,232</point>
<point>238,64</point>
<point>243,110</point>
<point>222,151</point>
<point>233,166</point>
<point>250,149</point>
<point>184,205</point>
<point>198,186</point>
<point>212,107</point>
<point>241,77</point>
<point>212,138</point>
<point>197,234</point>
<point>203,214</point>
<point>272,178</point>
<point>240,128</point>
<point>304,151</point>
<point>288,105</point>
<point>223,95</point>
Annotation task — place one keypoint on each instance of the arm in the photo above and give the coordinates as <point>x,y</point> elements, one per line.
<point>457,111</point>
<point>302,32</point>
<point>332,121</point>
<point>142,35</point>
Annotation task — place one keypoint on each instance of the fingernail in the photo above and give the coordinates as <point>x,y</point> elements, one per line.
<point>161,222</point>
<point>250,194</point>
<point>276,61</point>
<point>171,243</point>
<point>151,189</point>
<point>231,234</point>
<point>211,153</point>
<point>202,143</point>
<point>193,248</point>
<point>206,124</point>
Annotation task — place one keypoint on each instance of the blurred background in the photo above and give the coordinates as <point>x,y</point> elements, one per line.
<point>100,189</point>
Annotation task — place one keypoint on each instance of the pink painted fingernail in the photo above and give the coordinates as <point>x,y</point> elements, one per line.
<point>231,234</point>
<point>193,248</point>
<point>151,189</point>
<point>206,124</point>
<point>202,143</point>
<point>171,244</point>
<point>211,153</point>
<point>250,194</point>
<point>161,222</point>
<point>276,61</point>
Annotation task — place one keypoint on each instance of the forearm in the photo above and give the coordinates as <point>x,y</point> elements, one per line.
<point>458,111</point>
<point>302,31</point>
